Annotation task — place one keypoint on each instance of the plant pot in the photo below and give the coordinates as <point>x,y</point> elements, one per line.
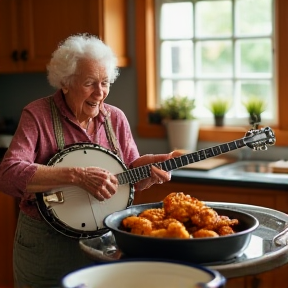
<point>183,134</point>
<point>219,121</point>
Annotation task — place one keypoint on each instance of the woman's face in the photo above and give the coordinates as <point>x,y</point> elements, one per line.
<point>89,88</point>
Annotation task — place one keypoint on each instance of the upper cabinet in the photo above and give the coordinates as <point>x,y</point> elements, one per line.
<point>30,30</point>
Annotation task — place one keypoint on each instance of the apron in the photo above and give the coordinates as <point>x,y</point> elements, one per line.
<point>36,242</point>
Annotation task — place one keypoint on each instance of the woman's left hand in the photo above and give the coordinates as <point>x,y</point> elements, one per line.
<point>158,176</point>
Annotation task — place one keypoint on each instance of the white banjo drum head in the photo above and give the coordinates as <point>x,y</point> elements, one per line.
<point>76,213</point>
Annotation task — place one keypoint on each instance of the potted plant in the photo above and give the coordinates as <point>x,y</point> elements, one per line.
<point>219,106</point>
<point>182,126</point>
<point>255,106</point>
<point>177,108</point>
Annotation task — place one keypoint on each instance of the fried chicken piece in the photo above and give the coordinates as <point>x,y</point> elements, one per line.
<point>205,217</point>
<point>175,229</point>
<point>225,221</point>
<point>154,214</point>
<point>137,225</point>
<point>204,233</point>
<point>222,225</point>
<point>225,230</point>
<point>168,228</point>
<point>163,224</point>
<point>181,206</point>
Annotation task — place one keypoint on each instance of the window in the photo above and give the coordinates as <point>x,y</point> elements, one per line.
<point>216,48</point>
<point>146,78</point>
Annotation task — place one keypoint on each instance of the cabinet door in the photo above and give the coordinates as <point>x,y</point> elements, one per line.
<point>9,36</point>
<point>47,22</point>
<point>113,28</point>
<point>30,30</point>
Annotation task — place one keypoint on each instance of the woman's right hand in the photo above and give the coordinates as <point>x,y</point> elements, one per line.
<point>98,182</point>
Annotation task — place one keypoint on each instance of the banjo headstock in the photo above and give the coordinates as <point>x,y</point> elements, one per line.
<point>259,139</point>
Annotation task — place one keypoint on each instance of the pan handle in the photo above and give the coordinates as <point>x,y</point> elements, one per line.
<point>281,239</point>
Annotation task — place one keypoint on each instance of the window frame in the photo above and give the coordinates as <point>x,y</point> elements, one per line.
<point>235,78</point>
<point>146,80</point>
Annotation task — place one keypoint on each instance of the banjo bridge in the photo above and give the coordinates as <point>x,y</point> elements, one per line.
<point>56,197</point>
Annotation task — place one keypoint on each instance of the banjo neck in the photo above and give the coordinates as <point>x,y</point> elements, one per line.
<point>139,173</point>
<point>254,139</point>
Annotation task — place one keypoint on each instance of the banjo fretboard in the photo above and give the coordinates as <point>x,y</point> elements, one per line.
<point>136,174</point>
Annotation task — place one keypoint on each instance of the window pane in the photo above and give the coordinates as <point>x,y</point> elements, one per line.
<point>208,89</point>
<point>231,55</point>
<point>213,18</point>
<point>254,56</point>
<point>173,26</point>
<point>253,17</point>
<point>214,57</point>
<point>176,87</point>
<point>176,58</point>
<point>217,88</point>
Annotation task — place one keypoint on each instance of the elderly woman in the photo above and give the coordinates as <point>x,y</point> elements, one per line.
<point>82,69</point>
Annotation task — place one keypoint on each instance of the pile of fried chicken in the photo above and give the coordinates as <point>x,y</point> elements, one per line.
<point>182,216</point>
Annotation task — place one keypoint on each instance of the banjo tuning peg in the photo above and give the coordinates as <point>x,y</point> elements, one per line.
<point>264,147</point>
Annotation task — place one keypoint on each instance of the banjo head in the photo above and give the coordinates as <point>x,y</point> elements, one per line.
<point>73,211</point>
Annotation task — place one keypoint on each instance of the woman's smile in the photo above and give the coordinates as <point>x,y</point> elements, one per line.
<point>92,104</point>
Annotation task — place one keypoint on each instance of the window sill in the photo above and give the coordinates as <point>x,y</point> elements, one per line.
<point>212,133</point>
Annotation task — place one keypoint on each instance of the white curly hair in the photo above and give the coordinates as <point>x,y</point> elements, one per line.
<point>64,59</point>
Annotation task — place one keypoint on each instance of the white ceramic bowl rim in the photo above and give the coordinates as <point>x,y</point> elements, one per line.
<point>144,273</point>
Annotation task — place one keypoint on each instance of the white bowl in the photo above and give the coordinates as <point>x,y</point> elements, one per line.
<point>144,273</point>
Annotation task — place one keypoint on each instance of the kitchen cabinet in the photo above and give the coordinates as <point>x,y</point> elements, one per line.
<point>30,30</point>
<point>8,216</point>
<point>271,198</point>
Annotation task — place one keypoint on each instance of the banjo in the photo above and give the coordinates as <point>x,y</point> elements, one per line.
<point>75,213</point>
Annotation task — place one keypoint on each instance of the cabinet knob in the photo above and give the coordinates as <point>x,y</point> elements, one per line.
<point>24,55</point>
<point>15,55</point>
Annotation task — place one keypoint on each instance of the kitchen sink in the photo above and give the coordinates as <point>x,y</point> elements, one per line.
<point>250,169</point>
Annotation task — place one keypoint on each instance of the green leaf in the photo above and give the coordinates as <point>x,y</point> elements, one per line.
<point>255,105</point>
<point>219,106</point>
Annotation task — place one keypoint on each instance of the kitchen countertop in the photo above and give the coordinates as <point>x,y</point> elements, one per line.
<point>225,176</point>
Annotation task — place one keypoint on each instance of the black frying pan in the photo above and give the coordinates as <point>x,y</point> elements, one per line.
<point>196,250</point>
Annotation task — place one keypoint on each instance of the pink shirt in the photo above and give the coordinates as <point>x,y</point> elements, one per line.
<point>34,142</point>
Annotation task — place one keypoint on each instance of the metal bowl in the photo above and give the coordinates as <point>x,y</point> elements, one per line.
<point>196,250</point>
